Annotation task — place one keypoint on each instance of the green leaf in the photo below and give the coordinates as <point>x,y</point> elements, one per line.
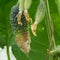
<point>6,35</point>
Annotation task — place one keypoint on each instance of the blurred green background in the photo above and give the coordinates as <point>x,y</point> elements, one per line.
<point>39,44</point>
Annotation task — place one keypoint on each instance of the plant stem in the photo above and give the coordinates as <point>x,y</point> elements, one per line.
<point>51,29</point>
<point>8,55</point>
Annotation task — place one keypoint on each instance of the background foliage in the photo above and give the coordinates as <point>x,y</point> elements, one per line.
<point>39,44</point>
